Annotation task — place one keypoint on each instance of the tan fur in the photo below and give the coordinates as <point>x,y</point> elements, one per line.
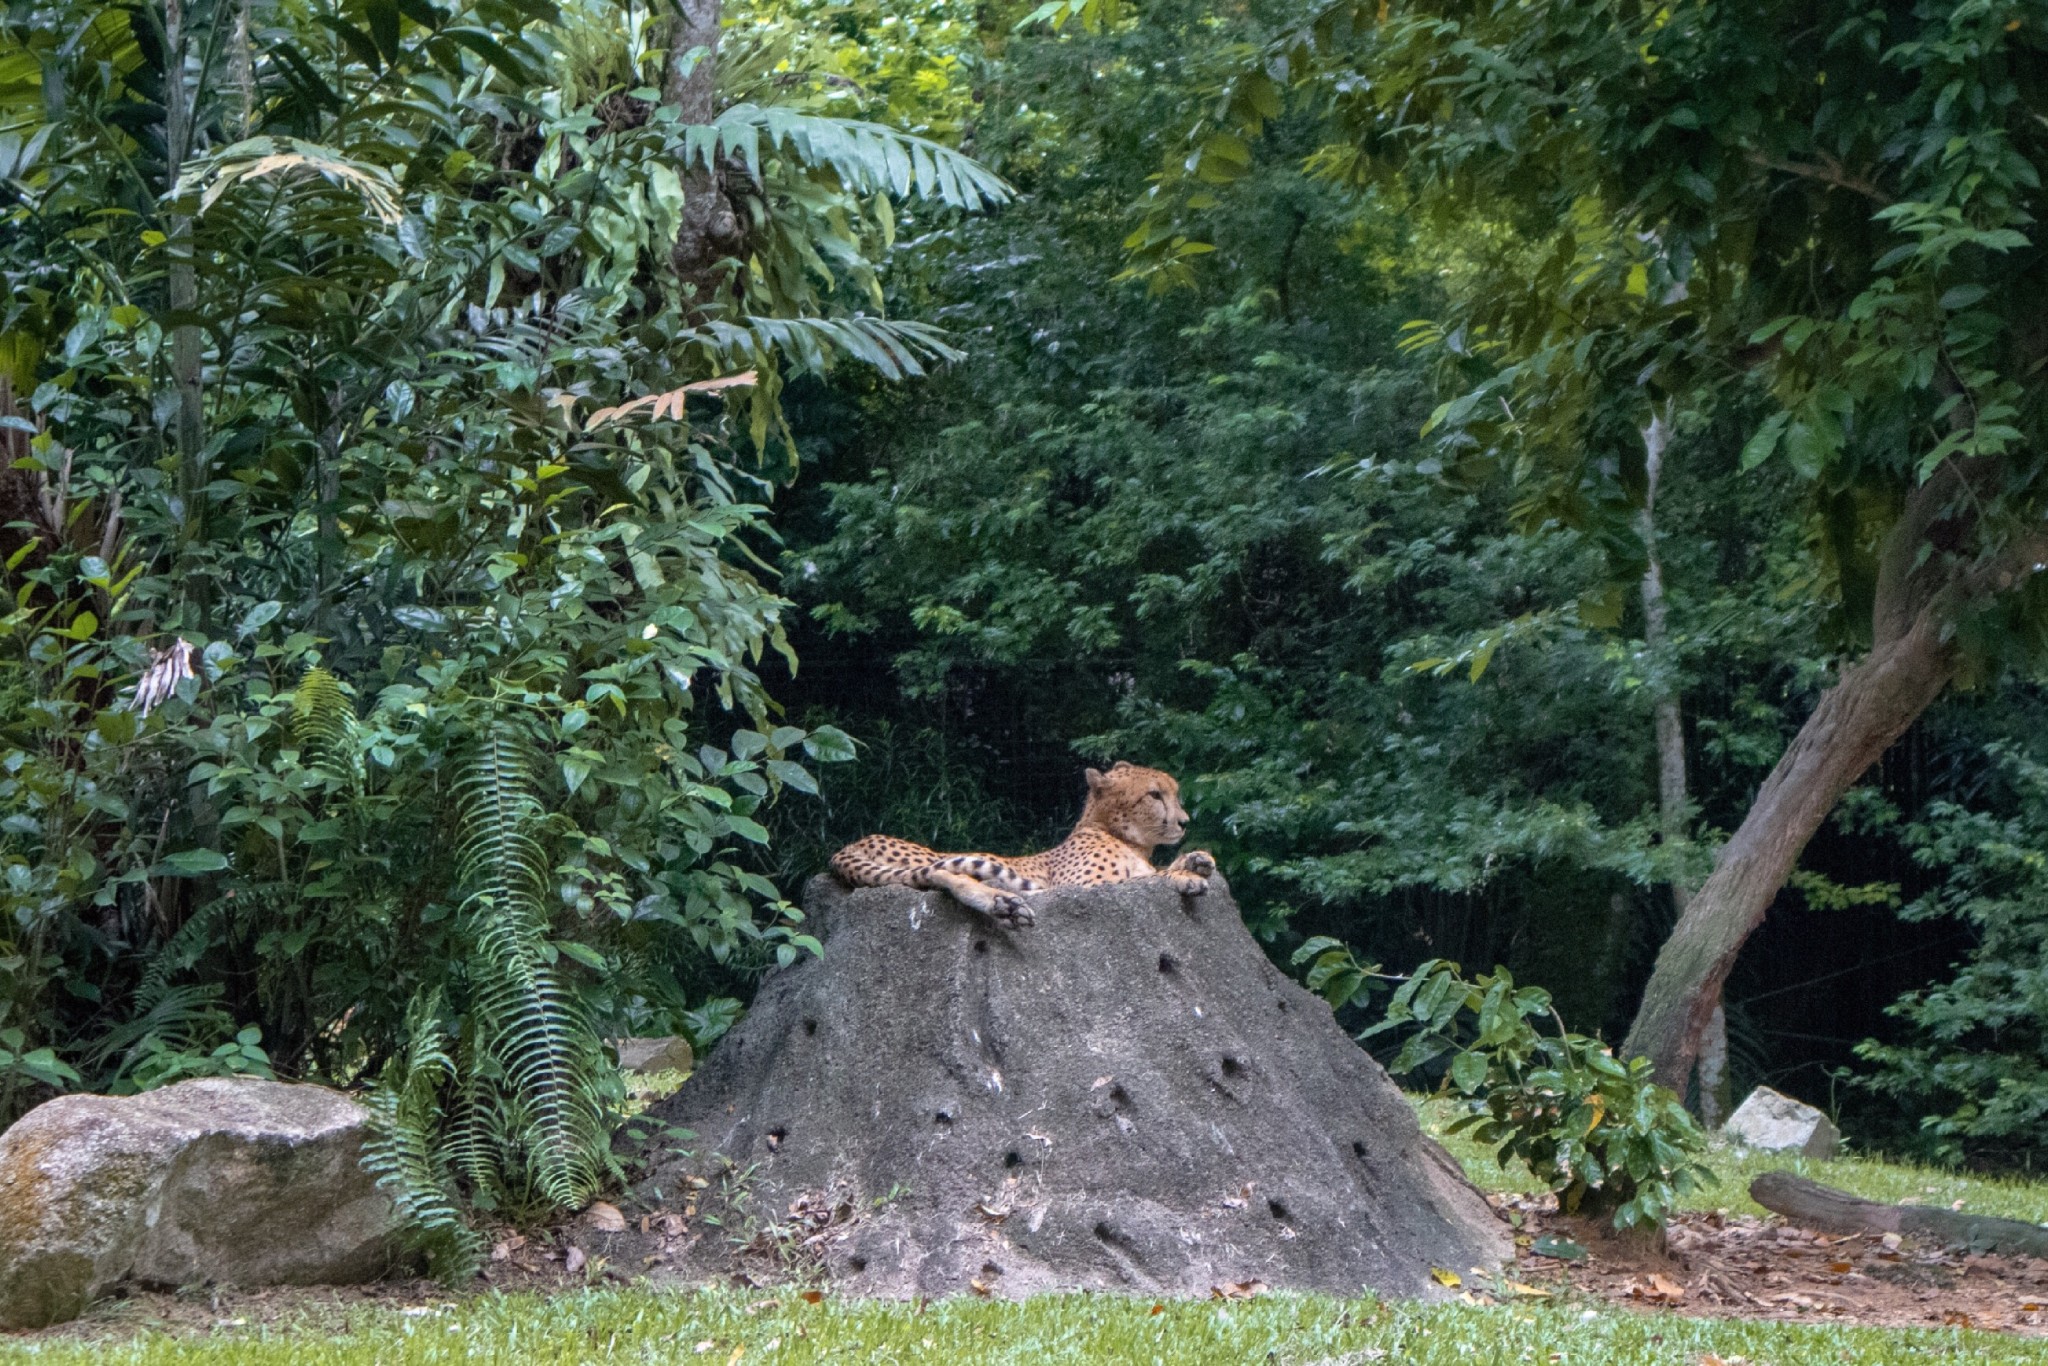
<point>1129,812</point>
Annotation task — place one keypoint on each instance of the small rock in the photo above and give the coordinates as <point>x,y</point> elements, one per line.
<point>671,1054</point>
<point>1772,1122</point>
<point>232,1180</point>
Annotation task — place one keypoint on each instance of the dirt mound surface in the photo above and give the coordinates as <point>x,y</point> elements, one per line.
<point>1126,1095</point>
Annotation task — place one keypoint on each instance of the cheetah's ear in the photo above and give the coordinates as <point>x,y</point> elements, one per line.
<point>1121,763</point>
<point>1095,779</point>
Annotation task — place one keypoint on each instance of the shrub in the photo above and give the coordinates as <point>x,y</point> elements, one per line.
<point>1597,1130</point>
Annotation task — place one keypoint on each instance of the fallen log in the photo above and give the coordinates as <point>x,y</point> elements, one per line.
<point>1813,1205</point>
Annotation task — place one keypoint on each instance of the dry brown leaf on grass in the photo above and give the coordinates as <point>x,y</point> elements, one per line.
<point>1237,1290</point>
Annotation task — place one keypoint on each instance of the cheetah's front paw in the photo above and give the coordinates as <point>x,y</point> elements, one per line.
<point>1196,861</point>
<point>1011,912</point>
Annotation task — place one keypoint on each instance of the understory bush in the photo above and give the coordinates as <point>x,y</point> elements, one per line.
<point>1595,1128</point>
<point>1975,1068</point>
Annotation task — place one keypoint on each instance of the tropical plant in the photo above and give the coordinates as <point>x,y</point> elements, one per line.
<point>362,375</point>
<point>1598,1131</point>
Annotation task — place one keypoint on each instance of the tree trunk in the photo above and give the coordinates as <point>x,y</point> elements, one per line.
<point>1920,593</point>
<point>181,288</point>
<point>710,230</point>
<point>1672,793</point>
<point>1855,722</point>
<point>1832,1211</point>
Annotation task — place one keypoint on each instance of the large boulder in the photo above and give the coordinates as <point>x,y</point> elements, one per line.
<point>1126,1095</point>
<point>237,1181</point>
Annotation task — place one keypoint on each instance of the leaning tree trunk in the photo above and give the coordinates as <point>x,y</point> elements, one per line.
<point>1856,721</point>
<point>1921,592</point>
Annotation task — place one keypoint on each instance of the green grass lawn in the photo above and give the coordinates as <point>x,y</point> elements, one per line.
<point>730,1328</point>
<point>717,1327</point>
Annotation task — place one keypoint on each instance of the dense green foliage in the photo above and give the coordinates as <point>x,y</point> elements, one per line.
<point>1405,674</point>
<point>1977,1064</point>
<point>347,365</point>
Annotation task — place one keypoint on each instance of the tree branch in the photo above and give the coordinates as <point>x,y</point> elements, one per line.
<point>1827,170</point>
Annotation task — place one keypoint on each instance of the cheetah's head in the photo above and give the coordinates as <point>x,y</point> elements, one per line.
<point>1140,806</point>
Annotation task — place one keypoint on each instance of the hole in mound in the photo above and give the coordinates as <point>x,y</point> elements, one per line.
<point>981,946</point>
<point>943,1117</point>
<point>1167,964</point>
<point>856,1264</point>
<point>810,1026</point>
<point>1357,1149</point>
<point>1013,1158</point>
<point>1278,1210</point>
<point>1232,1067</point>
<point>1120,1098</point>
<point>776,1136</point>
<point>1282,1005</point>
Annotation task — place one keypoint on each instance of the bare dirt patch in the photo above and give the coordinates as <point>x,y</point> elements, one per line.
<point>1740,1266</point>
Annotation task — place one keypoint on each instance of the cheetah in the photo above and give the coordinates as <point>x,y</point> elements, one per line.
<point>1129,811</point>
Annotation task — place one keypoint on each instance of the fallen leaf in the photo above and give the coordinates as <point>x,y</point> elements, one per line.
<point>737,1353</point>
<point>763,1306</point>
<point>1956,1318</point>
<point>978,1286</point>
<point>812,1297</point>
<point>1664,1288</point>
<point>1237,1290</point>
<point>1158,1309</point>
<point>1445,1277</point>
<point>2030,1308</point>
<point>1100,1082</point>
<point>1521,1288</point>
<point>1564,1249</point>
<point>1891,1242</point>
<point>506,1246</point>
<point>573,1259</point>
<point>1841,1268</point>
<point>605,1217</point>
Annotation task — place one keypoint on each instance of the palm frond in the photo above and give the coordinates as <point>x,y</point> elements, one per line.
<point>869,158</point>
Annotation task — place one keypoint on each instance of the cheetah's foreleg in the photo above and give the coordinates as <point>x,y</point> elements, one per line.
<point>1005,908</point>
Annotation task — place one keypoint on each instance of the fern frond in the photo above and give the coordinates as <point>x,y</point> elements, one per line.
<point>527,1021</point>
<point>324,724</point>
<point>404,1149</point>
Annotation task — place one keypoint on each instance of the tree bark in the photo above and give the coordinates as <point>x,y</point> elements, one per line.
<point>710,231</point>
<point>1856,721</point>
<point>181,288</point>
<point>1832,1211</point>
<point>1672,788</point>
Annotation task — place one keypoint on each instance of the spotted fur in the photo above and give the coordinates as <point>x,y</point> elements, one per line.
<point>1129,812</point>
